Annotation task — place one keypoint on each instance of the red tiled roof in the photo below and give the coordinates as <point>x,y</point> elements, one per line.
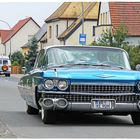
<point>4,34</point>
<point>127,13</point>
<point>15,29</point>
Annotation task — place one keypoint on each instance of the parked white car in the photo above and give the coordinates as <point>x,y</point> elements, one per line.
<point>5,66</point>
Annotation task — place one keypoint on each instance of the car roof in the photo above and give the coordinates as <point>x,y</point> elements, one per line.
<point>105,47</point>
<point>4,57</point>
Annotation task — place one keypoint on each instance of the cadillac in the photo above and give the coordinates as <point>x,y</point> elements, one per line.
<point>81,79</point>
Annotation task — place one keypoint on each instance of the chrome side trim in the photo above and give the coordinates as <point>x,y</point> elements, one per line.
<point>38,77</point>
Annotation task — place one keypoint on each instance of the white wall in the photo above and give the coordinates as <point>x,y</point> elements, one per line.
<point>88,30</point>
<point>62,26</point>
<point>103,10</point>
<point>2,48</point>
<point>21,37</point>
<point>133,40</point>
<point>106,21</point>
<point>74,38</point>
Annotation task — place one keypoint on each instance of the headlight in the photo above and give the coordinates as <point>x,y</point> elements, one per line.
<point>62,85</point>
<point>138,85</point>
<point>49,84</point>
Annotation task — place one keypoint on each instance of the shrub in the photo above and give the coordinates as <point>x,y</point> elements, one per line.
<point>15,63</point>
<point>18,58</point>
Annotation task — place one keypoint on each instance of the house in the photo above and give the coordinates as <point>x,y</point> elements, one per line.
<point>112,14</point>
<point>3,35</point>
<point>41,38</point>
<point>12,40</point>
<point>65,25</point>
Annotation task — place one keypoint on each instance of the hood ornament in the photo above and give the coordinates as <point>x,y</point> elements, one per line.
<point>105,76</point>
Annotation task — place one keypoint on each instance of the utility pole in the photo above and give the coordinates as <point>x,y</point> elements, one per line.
<point>82,36</point>
<point>82,18</point>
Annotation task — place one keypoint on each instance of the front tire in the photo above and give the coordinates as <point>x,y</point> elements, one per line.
<point>136,118</point>
<point>48,117</point>
<point>32,111</point>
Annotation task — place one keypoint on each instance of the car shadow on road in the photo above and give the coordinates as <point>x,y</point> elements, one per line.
<point>16,118</point>
<point>93,119</point>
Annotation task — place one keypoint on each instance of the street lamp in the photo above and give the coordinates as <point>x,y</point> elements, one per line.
<point>10,33</point>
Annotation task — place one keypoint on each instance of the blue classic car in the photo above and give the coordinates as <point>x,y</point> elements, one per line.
<point>81,79</point>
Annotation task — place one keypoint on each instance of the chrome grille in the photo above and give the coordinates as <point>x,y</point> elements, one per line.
<point>102,88</point>
<point>88,98</point>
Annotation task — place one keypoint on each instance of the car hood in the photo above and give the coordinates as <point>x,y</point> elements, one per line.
<point>92,74</point>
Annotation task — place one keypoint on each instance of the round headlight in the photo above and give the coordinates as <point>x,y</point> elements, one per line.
<point>138,86</point>
<point>62,85</point>
<point>49,84</point>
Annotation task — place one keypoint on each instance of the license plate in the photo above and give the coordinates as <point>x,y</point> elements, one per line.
<point>102,104</point>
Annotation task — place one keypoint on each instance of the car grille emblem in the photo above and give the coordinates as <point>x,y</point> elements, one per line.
<point>105,76</point>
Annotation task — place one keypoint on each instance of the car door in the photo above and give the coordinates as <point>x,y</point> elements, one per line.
<point>33,78</point>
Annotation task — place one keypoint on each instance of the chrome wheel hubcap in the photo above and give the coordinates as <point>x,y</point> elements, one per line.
<point>42,113</point>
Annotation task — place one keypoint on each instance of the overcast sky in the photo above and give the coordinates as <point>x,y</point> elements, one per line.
<point>12,12</point>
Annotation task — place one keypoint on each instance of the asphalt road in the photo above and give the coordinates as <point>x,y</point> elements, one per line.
<point>14,122</point>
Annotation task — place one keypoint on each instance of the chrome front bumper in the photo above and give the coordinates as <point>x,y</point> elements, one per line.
<point>87,107</point>
<point>119,107</point>
<point>4,72</point>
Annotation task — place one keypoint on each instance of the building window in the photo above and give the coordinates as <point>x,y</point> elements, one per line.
<point>50,31</point>
<point>101,19</point>
<point>67,23</point>
<point>106,18</point>
<point>56,30</point>
<point>93,32</point>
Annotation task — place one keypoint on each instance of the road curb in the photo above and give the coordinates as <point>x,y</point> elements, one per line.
<point>15,77</point>
<point>18,76</point>
<point>5,132</point>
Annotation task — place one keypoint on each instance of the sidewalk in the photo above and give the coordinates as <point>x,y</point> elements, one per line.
<point>17,75</point>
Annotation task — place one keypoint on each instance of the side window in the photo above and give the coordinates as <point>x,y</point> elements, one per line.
<point>0,61</point>
<point>41,59</point>
<point>36,61</point>
<point>51,58</point>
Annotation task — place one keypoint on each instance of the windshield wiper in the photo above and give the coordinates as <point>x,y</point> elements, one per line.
<point>86,64</point>
<point>65,65</point>
<point>107,65</point>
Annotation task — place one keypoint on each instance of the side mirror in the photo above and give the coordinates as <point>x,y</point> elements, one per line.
<point>28,69</point>
<point>138,67</point>
<point>23,70</point>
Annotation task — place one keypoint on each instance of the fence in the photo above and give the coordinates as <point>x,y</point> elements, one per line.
<point>16,70</point>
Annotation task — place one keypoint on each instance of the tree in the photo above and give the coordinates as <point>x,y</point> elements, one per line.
<point>120,34</point>
<point>32,53</point>
<point>134,55</point>
<point>106,38</point>
<point>18,58</point>
<point>113,38</point>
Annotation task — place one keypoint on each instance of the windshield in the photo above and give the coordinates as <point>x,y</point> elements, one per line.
<point>5,62</point>
<point>87,55</point>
